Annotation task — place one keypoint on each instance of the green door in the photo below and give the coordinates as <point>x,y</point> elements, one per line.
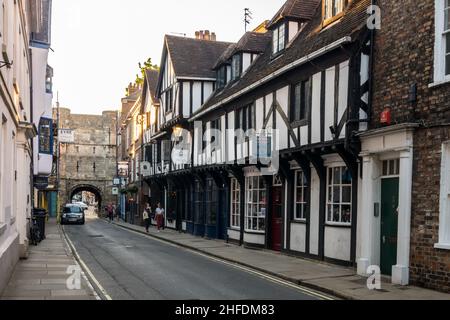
<point>389,224</point>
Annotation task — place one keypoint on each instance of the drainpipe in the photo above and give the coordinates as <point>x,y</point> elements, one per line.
<point>371,70</point>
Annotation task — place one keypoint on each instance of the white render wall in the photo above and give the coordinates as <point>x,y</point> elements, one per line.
<point>15,148</point>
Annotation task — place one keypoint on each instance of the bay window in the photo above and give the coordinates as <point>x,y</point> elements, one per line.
<point>339,196</point>
<point>279,39</point>
<point>235,204</point>
<point>256,209</point>
<point>301,186</point>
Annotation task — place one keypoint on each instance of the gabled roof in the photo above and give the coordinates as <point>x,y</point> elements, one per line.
<point>311,39</point>
<point>152,82</point>
<point>296,10</point>
<point>254,42</point>
<point>194,58</point>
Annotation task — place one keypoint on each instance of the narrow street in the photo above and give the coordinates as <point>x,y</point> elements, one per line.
<point>132,266</point>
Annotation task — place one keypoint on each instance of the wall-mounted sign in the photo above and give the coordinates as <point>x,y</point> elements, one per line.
<point>66,136</point>
<point>116,181</point>
<point>145,169</point>
<point>46,136</point>
<point>123,169</point>
<point>115,191</point>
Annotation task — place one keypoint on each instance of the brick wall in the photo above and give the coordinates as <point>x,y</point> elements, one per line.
<point>404,55</point>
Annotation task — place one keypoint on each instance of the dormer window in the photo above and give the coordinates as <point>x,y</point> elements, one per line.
<point>279,39</point>
<point>333,10</point>
<point>221,77</point>
<point>236,67</point>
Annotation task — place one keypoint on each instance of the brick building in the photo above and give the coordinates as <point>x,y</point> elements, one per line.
<point>411,83</point>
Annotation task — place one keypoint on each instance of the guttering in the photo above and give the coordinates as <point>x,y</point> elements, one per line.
<point>196,79</point>
<point>286,68</point>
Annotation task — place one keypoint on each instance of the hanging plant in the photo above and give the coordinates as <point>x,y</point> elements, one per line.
<point>133,190</point>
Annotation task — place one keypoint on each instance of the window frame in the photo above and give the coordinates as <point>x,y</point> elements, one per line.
<point>237,58</point>
<point>235,210</point>
<point>304,201</point>
<point>305,100</point>
<point>260,204</point>
<point>441,43</point>
<point>332,202</point>
<point>329,20</point>
<point>277,31</point>
<point>444,203</point>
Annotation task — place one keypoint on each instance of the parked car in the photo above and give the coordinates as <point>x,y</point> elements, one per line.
<point>83,205</point>
<point>73,213</point>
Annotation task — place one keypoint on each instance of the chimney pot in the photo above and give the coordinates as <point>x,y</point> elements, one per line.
<point>213,36</point>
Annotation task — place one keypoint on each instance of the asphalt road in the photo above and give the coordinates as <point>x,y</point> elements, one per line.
<point>136,267</point>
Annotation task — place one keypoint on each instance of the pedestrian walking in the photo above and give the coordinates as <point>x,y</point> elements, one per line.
<point>110,212</point>
<point>118,212</point>
<point>147,217</point>
<point>160,217</point>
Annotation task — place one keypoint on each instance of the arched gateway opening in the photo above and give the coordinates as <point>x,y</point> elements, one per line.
<point>88,194</point>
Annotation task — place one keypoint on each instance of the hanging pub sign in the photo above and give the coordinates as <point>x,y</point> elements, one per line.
<point>66,136</point>
<point>46,136</point>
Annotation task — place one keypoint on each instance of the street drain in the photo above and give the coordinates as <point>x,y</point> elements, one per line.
<point>96,236</point>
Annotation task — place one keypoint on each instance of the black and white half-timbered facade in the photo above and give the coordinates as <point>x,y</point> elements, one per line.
<point>186,80</point>
<point>299,93</point>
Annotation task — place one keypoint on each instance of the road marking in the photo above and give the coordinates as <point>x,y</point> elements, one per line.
<point>86,268</point>
<point>238,266</point>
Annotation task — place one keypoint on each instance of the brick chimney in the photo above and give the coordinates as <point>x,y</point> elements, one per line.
<point>205,35</point>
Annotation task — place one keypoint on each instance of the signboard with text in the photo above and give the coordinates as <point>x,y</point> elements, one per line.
<point>66,135</point>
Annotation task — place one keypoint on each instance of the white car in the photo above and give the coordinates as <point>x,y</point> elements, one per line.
<point>82,205</point>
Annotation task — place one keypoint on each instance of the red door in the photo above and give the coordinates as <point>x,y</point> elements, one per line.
<point>277,217</point>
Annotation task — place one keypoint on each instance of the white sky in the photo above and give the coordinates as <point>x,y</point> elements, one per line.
<point>98,43</point>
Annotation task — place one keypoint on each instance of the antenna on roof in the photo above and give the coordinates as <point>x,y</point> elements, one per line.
<point>247,17</point>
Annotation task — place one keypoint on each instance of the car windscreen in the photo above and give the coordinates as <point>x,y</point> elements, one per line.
<point>72,210</point>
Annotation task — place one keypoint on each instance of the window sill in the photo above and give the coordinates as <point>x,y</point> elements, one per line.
<point>302,221</point>
<point>255,232</point>
<point>338,225</point>
<point>235,229</point>
<point>2,228</point>
<point>439,83</point>
<point>442,246</point>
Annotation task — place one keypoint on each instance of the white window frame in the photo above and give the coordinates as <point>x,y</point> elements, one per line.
<point>337,202</point>
<point>261,207</point>
<point>235,215</point>
<point>302,202</point>
<point>276,39</point>
<point>440,45</point>
<point>444,207</point>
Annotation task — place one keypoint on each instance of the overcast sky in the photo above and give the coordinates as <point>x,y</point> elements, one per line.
<point>98,43</point>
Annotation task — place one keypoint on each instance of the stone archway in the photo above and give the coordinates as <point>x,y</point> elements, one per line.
<point>89,188</point>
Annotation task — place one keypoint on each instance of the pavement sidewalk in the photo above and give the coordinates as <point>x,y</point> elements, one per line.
<point>341,282</point>
<point>43,275</point>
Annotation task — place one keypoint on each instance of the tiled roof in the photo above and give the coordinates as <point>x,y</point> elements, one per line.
<point>194,58</point>
<point>152,80</point>
<point>312,38</point>
<point>295,9</point>
<point>254,42</point>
